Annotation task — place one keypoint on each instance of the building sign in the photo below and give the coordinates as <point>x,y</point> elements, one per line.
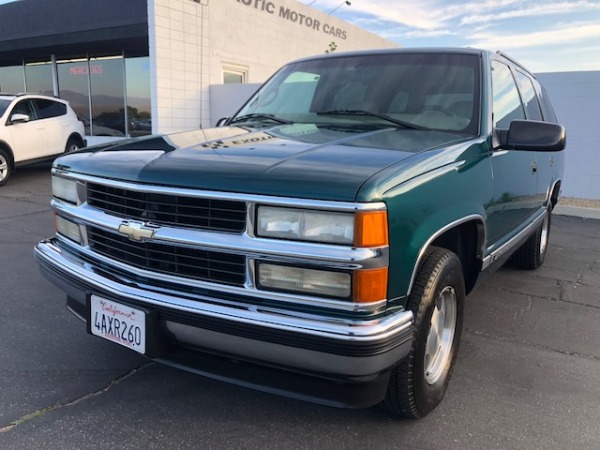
<point>288,14</point>
<point>95,69</point>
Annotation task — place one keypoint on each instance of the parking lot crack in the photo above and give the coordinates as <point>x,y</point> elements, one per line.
<point>526,309</point>
<point>47,409</point>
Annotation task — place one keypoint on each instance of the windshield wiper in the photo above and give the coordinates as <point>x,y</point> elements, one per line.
<point>362,112</point>
<point>260,116</point>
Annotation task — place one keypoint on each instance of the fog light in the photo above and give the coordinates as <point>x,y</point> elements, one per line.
<point>306,281</point>
<point>67,228</point>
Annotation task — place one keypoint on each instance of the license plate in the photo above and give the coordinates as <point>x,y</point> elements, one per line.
<point>118,323</point>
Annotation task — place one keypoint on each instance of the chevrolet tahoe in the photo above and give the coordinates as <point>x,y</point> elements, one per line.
<point>319,243</point>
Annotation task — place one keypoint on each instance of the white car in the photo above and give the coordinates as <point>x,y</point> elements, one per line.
<point>34,128</point>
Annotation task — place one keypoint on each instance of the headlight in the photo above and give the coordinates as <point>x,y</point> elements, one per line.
<point>360,229</point>
<point>306,225</point>
<point>64,189</point>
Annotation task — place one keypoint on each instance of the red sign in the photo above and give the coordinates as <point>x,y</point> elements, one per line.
<point>83,70</point>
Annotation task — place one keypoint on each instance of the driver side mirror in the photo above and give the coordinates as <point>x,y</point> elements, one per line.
<point>19,118</point>
<point>222,121</point>
<point>534,136</point>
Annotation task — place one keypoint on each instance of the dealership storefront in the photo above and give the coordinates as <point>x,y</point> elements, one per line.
<point>139,66</point>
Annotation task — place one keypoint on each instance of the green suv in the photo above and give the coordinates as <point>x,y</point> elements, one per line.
<point>320,243</point>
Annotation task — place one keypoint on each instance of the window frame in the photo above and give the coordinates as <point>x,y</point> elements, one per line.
<point>509,66</point>
<point>526,78</point>
<point>234,70</point>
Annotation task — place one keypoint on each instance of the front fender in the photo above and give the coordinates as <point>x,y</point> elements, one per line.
<point>428,206</point>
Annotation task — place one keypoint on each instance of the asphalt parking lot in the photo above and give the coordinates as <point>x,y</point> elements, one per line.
<point>527,376</point>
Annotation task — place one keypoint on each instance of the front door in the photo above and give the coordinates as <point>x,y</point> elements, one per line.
<point>514,172</point>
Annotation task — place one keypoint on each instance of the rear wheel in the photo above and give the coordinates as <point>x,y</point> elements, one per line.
<point>418,384</point>
<point>5,166</point>
<point>532,253</point>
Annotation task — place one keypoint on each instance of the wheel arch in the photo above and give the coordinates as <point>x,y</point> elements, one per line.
<point>77,137</point>
<point>554,193</point>
<point>5,146</point>
<point>466,237</point>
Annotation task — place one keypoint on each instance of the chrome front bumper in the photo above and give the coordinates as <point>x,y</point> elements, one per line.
<point>356,350</point>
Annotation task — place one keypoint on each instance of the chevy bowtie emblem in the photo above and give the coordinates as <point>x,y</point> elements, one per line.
<point>137,231</point>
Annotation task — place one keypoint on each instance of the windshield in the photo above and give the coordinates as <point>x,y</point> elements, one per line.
<point>3,105</point>
<point>437,91</point>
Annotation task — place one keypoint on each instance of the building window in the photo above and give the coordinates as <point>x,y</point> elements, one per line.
<point>138,95</point>
<point>108,95</point>
<point>38,78</point>
<point>11,79</point>
<point>234,75</point>
<point>73,86</point>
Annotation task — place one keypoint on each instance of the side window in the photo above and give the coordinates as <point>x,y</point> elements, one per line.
<point>532,107</point>
<point>507,103</point>
<point>24,107</point>
<point>49,108</point>
<point>547,109</point>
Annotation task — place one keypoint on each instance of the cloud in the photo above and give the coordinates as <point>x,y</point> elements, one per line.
<point>559,35</point>
<point>524,27</point>
<point>454,14</point>
<point>533,10</point>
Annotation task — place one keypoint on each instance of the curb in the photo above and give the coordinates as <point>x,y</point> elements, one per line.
<point>577,211</point>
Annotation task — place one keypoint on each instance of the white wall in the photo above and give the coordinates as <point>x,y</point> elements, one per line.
<point>576,100</point>
<point>226,99</point>
<point>179,75</point>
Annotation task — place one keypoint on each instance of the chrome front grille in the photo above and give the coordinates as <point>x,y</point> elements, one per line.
<point>217,267</point>
<point>165,209</point>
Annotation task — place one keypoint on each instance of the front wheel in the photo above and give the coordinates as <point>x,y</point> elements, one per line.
<point>5,166</point>
<point>418,384</point>
<point>72,145</point>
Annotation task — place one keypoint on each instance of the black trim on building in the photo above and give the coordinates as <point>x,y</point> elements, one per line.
<point>35,29</point>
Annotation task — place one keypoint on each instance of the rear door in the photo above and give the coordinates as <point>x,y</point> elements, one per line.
<point>53,117</point>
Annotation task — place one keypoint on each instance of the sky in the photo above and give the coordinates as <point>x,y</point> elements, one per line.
<point>543,35</point>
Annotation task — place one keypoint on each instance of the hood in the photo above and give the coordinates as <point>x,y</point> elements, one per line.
<point>299,160</point>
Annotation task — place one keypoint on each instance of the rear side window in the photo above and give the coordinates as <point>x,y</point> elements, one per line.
<point>507,103</point>
<point>49,108</point>
<point>547,109</point>
<point>532,107</point>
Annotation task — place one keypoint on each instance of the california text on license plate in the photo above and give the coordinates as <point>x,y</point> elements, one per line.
<point>118,323</point>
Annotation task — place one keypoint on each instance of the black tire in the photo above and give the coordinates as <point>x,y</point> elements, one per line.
<point>413,390</point>
<point>6,166</point>
<point>72,145</point>
<point>532,253</point>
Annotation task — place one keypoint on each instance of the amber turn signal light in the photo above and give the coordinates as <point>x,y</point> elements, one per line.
<point>370,285</point>
<point>371,229</point>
